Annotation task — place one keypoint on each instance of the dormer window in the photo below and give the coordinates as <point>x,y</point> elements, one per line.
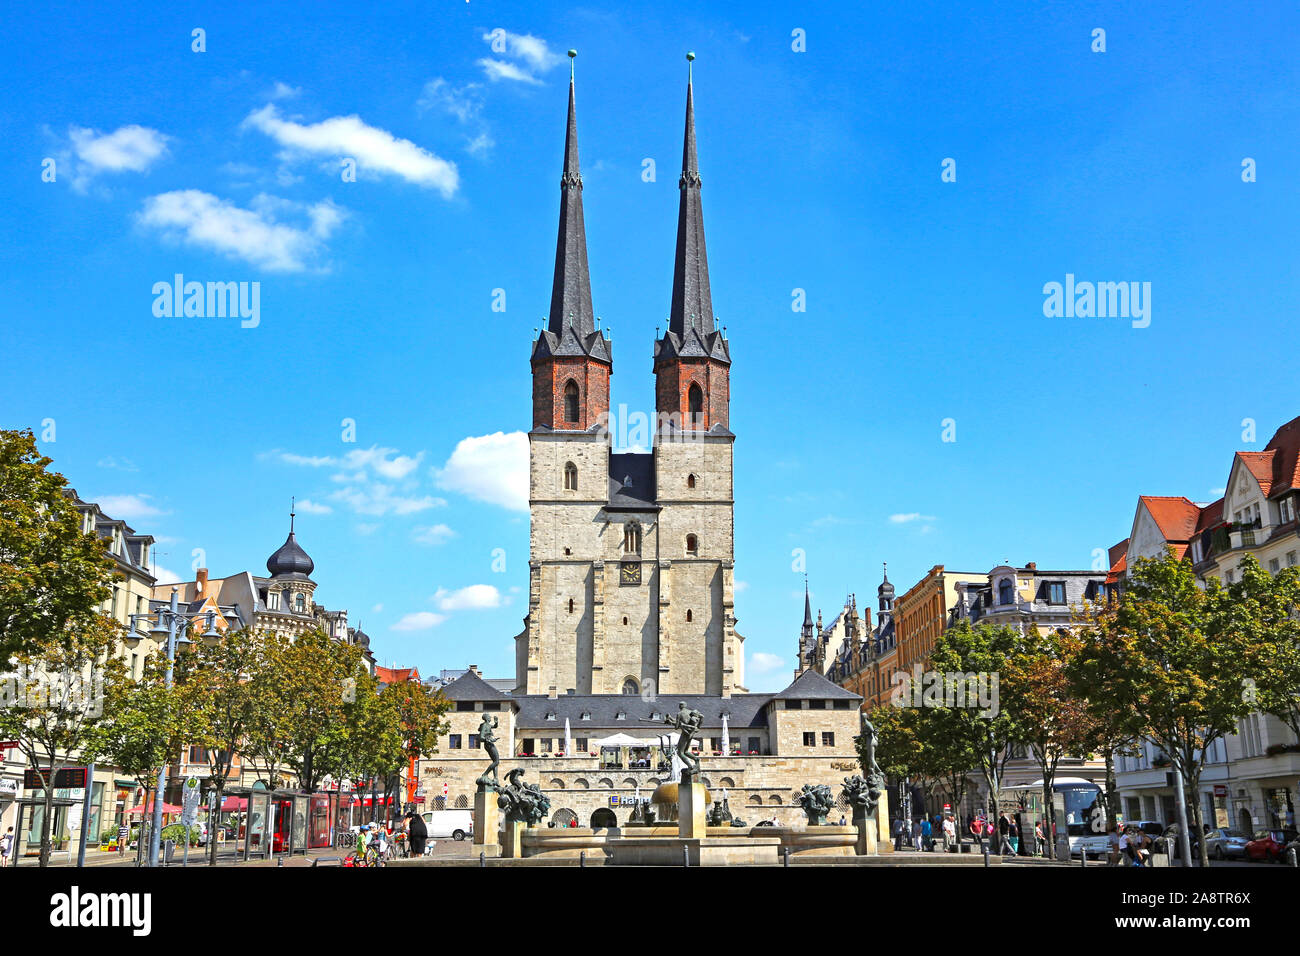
<point>621,716</point>
<point>586,715</point>
<point>1006,593</point>
<point>1284,510</point>
<point>550,715</point>
<point>300,602</point>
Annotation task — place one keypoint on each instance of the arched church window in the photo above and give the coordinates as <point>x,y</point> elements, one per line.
<point>570,476</point>
<point>629,687</point>
<point>695,401</point>
<point>570,605</point>
<point>688,616</point>
<point>692,544</point>
<point>571,401</point>
<point>690,481</point>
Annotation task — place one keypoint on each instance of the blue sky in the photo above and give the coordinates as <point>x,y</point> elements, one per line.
<point>821,170</point>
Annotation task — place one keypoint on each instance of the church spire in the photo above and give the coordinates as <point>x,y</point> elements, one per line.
<point>692,304</point>
<point>571,286</point>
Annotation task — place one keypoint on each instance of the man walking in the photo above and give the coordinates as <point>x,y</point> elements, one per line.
<point>898,833</point>
<point>926,830</point>
<point>949,833</point>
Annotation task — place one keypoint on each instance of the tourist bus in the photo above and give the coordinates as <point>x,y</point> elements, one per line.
<point>1085,812</point>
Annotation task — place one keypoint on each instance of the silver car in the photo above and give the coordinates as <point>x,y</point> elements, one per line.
<point>1225,843</point>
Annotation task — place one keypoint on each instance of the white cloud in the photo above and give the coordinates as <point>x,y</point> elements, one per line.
<point>283,91</point>
<point>434,534</point>
<point>740,586</point>
<point>119,464</point>
<point>376,481</point>
<point>491,468</point>
<point>463,102</point>
<point>367,527</point>
<point>476,597</point>
<point>376,151</point>
<point>377,609</point>
<point>309,507</point>
<point>764,663</point>
<point>376,498</point>
<point>910,517</point>
<point>126,149</point>
<point>255,235</point>
<point>501,70</point>
<point>419,621</point>
<point>531,55</point>
<point>128,507</point>
<point>165,576</point>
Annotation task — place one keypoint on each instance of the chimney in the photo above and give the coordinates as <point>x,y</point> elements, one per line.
<point>552,692</point>
<point>201,584</point>
<point>473,669</point>
<point>1031,566</point>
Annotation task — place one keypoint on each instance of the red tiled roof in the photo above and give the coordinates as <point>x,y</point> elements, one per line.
<point>1175,517</point>
<point>1260,464</point>
<point>1211,515</point>
<point>1118,568</point>
<point>1285,444</point>
<point>397,675</point>
<point>1118,553</point>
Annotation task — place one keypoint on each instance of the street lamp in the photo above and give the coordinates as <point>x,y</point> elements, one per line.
<point>172,622</point>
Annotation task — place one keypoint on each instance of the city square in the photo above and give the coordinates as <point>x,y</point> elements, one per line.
<point>936,575</point>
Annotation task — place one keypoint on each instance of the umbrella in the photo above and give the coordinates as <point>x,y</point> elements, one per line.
<point>726,736</point>
<point>148,808</point>
<point>568,739</point>
<point>234,803</point>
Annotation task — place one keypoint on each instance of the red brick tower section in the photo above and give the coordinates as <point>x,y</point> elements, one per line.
<point>572,359</point>
<point>692,362</point>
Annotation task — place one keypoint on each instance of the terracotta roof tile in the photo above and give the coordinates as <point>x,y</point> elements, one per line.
<point>1286,463</point>
<point>1176,517</point>
<point>1211,515</point>
<point>1260,464</point>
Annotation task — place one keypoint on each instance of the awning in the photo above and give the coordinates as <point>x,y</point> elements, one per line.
<point>626,740</point>
<point>148,808</point>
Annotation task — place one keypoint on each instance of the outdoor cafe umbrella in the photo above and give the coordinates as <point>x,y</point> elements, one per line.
<point>726,736</point>
<point>234,803</point>
<point>148,808</point>
<point>568,739</point>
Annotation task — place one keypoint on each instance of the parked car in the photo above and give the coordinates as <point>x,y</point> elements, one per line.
<point>1269,845</point>
<point>1225,843</point>
<point>1172,841</point>
<point>441,824</point>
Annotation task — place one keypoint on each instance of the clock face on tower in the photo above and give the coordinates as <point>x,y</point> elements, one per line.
<point>629,572</point>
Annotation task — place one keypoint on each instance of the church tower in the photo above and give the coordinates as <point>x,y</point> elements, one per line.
<point>631,570</point>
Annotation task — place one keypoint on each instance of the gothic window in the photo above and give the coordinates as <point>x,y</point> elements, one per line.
<point>695,402</point>
<point>571,401</point>
<point>690,481</point>
<point>570,605</point>
<point>629,687</point>
<point>688,616</point>
<point>692,544</point>
<point>570,476</point>
<point>300,603</point>
<point>632,538</point>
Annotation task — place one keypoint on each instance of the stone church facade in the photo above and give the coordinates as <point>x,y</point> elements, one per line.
<point>631,576</point>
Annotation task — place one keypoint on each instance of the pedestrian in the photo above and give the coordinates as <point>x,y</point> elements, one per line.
<point>6,846</point>
<point>418,834</point>
<point>1004,830</point>
<point>1038,838</point>
<point>916,835</point>
<point>1013,834</point>
<point>949,833</point>
<point>898,829</point>
<point>123,837</point>
<point>926,830</point>
<point>842,820</point>
<point>1113,854</point>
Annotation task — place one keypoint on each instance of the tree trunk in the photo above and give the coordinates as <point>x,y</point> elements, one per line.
<point>1112,798</point>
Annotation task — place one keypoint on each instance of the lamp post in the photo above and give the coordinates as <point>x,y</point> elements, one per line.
<point>173,623</point>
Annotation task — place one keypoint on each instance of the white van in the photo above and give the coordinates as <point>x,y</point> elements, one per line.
<point>457,824</point>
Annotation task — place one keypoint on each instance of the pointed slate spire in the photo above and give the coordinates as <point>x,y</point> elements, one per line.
<point>807,608</point>
<point>571,286</point>
<point>692,303</point>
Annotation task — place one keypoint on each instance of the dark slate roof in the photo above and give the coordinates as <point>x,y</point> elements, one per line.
<point>743,710</point>
<point>632,481</point>
<point>810,685</point>
<point>571,327</point>
<point>290,559</point>
<point>692,306</point>
<point>469,686</point>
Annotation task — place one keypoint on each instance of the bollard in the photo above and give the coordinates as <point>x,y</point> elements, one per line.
<point>686,856</point>
<point>279,861</point>
<point>582,859</point>
<point>482,859</point>
<point>1083,856</point>
<point>1291,857</point>
<point>785,855</point>
<point>985,847</point>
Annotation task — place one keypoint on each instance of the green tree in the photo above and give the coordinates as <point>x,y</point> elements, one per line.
<point>53,703</point>
<point>919,743</point>
<point>53,576</point>
<point>984,650</point>
<point>1175,662</point>
<point>223,691</point>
